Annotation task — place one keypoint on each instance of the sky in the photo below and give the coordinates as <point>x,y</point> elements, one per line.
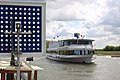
<point>96,19</point>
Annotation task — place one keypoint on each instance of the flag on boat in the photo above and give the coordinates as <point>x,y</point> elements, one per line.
<point>76,35</point>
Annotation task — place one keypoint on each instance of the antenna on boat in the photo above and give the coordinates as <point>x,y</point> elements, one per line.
<point>82,36</point>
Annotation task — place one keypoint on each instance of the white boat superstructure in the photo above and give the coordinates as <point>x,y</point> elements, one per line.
<point>71,47</point>
<point>71,50</point>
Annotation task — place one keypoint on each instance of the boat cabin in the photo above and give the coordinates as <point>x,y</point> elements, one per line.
<point>75,41</point>
<point>69,42</point>
<point>72,47</point>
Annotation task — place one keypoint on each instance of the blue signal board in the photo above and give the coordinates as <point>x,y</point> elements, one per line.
<point>30,18</point>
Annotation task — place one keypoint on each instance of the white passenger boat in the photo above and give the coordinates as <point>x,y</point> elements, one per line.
<point>71,50</point>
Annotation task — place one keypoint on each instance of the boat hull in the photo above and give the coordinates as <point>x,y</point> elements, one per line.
<point>71,58</point>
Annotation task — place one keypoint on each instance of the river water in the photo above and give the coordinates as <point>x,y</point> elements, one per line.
<point>103,68</point>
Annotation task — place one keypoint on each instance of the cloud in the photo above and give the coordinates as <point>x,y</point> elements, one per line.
<point>113,17</point>
<point>64,29</point>
<point>111,23</point>
<point>64,10</point>
<point>113,30</point>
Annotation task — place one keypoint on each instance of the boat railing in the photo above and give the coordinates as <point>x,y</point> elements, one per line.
<point>80,45</point>
<point>83,46</point>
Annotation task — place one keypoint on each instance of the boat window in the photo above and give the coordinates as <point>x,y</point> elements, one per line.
<point>66,43</point>
<point>83,52</point>
<point>76,52</point>
<point>90,42</point>
<point>61,43</point>
<point>71,52</point>
<point>86,52</point>
<point>83,42</point>
<point>80,52</point>
<point>80,42</point>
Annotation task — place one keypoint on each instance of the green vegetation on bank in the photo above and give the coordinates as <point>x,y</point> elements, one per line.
<point>107,52</point>
<point>112,48</point>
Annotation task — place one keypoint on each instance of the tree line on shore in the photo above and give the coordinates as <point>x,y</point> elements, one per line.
<point>111,48</point>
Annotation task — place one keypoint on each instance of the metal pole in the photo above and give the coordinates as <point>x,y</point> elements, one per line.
<point>12,62</point>
<point>12,38</point>
<point>18,52</point>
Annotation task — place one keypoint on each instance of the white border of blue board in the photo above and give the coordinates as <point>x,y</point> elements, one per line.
<point>31,3</point>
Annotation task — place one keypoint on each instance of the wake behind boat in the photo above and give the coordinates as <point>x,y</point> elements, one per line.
<point>71,50</point>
